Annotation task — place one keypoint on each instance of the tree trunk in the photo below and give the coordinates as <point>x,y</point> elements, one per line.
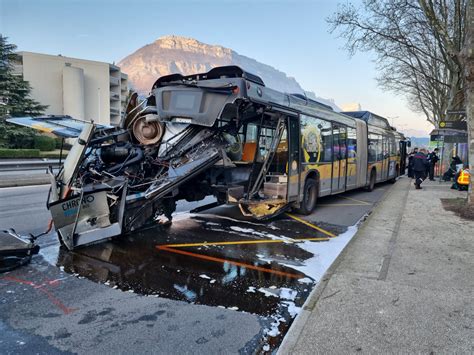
<point>468,57</point>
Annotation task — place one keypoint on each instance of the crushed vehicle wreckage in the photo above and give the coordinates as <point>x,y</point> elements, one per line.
<point>193,136</point>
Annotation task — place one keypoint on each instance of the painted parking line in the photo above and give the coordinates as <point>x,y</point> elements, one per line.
<point>223,261</point>
<point>175,248</point>
<point>356,200</point>
<point>341,204</point>
<point>240,242</point>
<point>331,235</point>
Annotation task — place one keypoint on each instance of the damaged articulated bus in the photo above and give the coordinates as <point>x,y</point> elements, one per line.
<point>221,133</point>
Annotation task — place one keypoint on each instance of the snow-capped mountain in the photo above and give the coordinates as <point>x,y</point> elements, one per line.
<point>175,54</point>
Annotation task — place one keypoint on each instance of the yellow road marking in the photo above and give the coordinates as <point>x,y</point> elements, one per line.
<point>223,261</point>
<point>356,200</point>
<point>239,242</point>
<point>172,248</point>
<point>340,204</point>
<point>311,225</point>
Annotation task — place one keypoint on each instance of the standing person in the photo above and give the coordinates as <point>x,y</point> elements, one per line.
<point>428,155</point>
<point>410,162</point>
<point>433,159</point>
<point>420,162</point>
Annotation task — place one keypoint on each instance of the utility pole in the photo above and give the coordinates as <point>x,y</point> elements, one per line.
<point>468,57</point>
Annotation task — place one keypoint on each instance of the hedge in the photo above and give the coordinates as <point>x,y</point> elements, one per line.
<point>19,153</point>
<point>44,143</point>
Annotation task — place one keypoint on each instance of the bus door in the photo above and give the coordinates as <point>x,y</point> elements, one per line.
<point>293,158</point>
<point>352,170</point>
<point>339,165</point>
<point>385,157</point>
<point>392,160</point>
<point>402,153</point>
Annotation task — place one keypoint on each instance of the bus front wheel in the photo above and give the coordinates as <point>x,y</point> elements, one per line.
<point>310,196</point>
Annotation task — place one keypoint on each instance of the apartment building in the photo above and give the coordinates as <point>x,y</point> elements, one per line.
<point>83,89</point>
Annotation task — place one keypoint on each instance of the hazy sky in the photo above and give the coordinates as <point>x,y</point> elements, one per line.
<point>292,36</point>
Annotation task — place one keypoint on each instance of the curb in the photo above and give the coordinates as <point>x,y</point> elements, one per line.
<point>291,338</point>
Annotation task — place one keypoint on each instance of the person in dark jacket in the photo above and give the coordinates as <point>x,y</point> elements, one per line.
<point>420,162</point>
<point>410,162</point>
<point>452,170</point>
<point>433,159</point>
<point>427,172</point>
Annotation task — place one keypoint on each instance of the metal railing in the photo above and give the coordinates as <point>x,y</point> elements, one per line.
<point>21,165</point>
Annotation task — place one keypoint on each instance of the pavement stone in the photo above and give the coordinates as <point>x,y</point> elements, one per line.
<point>403,285</point>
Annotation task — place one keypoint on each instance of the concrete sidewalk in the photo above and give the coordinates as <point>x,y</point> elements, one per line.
<point>404,284</point>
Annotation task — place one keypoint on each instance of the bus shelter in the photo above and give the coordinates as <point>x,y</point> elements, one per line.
<point>451,142</point>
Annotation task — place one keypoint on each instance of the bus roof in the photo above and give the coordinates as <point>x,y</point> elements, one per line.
<point>371,118</point>
<point>239,84</point>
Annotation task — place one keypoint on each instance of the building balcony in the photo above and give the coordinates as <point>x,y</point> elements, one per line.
<point>114,81</point>
<point>114,96</point>
<point>114,111</point>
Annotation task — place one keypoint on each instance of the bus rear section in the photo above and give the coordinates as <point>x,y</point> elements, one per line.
<point>386,150</point>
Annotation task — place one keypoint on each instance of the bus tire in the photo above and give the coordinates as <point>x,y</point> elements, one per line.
<point>373,177</point>
<point>310,196</point>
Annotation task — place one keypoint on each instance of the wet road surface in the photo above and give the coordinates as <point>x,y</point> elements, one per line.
<point>261,271</point>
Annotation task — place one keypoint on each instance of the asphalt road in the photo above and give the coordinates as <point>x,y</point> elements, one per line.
<point>213,282</point>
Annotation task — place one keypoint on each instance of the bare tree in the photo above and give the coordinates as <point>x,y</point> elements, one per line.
<point>413,57</point>
<point>467,57</point>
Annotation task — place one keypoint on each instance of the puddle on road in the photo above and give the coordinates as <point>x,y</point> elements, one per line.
<point>259,278</point>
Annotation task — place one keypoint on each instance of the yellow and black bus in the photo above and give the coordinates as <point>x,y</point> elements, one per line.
<point>285,150</point>
<point>221,133</point>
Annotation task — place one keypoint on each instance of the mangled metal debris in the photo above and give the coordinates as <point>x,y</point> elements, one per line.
<point>16,250</point>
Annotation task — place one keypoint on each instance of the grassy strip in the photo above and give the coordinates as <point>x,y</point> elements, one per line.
<point>54,154</point>
<point>19,153</point>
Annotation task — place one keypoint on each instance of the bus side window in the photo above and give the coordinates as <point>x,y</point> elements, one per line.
<point>325,128</point>
<point>379,148</point>
<point>372,148</point>
<point>250,143</point>
<point>351,142</point>
<point>393,147</point>
<point>309,139</point>
<point>316,140</point>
